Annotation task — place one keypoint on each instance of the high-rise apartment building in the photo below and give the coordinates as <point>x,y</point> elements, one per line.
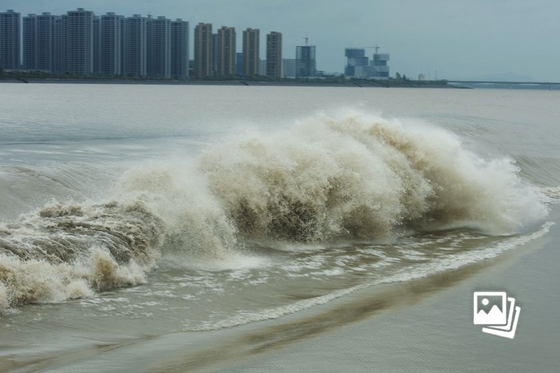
<point>46,42</point>
<point>60,42</point>
<point>136,42</point>
<point>226,51</point>
<point>41,38</point>
<point>203,50</point>
<point>159,47</point>
<point>30,42</point>
<point>180,48</point>
<point>111,39</point>
<point>79,41</point>
<point>306,65</point>
<point>251,55</point>
<point>10,35</point>
<point>214,47</point>
<point>274,55</point>
<point>96,45</point>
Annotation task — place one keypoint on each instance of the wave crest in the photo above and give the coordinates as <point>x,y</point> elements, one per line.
<point>364,178</point>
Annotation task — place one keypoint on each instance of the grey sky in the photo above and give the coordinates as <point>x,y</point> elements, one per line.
<point>458,38</point>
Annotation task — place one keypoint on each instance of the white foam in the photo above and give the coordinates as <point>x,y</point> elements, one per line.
<point>37,281</point>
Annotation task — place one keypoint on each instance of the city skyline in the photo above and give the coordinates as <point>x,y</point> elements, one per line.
<point>81,42</point>
<point>457,40</point>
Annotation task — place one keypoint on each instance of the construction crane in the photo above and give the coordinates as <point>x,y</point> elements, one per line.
<point>376,47</point>
<point>306,38</point>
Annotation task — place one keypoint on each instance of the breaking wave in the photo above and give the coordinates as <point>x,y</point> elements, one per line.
<point>364,178</point>
<point>326,179</point>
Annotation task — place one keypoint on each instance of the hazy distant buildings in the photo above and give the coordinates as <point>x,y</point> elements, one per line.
<point>60,41</point>
<point>111,44</point>
<point>358,64</point>
<point>10,36</point>
<point>79,41</point>
<point>159,47</point>
<point>42,42</point>
<point>380,69</point>
<point>251,56</point>
<point>214,53</point>
<point>262,67</point>
<point>136,45</point>
<point>203,50</point>
<point>179,49</point>
<point>289,68</point>
<point>226,51</point>
<point>29,42</point>
<point>239,66</point>
<point>274,55</point>
<point>306,65</point>
<point>46,41</point>
<point>96,44</point>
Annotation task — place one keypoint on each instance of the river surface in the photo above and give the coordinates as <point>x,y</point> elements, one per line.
<point>132,212</point>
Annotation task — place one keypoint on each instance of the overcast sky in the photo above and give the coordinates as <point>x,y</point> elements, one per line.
<point>458,38</point>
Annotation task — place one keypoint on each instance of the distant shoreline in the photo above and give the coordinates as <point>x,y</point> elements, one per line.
<point>312,82</point>
<point>239,82</point>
